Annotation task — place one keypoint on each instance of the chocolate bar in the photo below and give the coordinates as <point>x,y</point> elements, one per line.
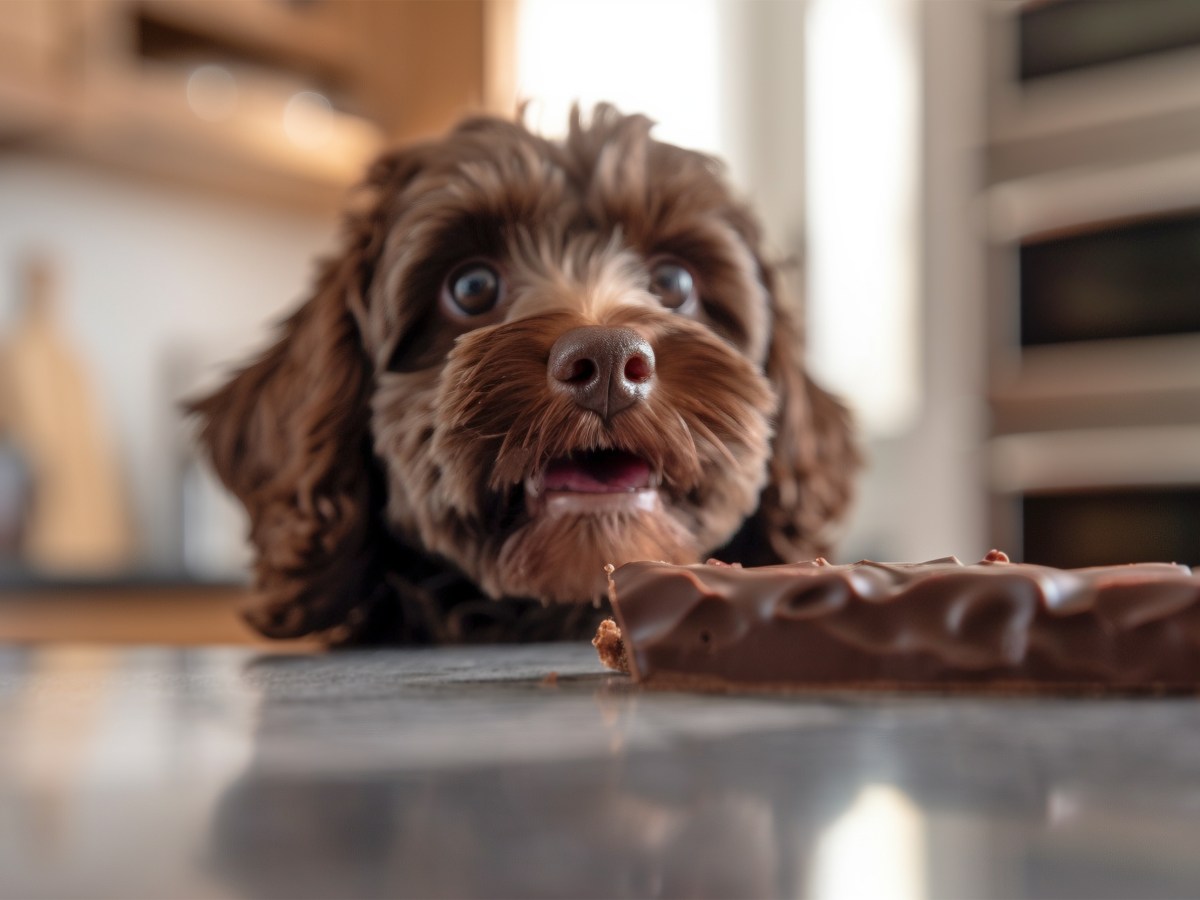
<point>940,625</point>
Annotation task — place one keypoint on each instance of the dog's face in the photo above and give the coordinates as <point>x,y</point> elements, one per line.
<point>533,359</point>
<point>570,350</point>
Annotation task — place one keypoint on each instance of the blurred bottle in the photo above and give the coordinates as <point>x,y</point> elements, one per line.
<point>16,477</point>
<point>16,490</point>
<point>78,523</point>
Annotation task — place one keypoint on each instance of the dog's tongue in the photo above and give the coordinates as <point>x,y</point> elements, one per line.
<point>599,472</point>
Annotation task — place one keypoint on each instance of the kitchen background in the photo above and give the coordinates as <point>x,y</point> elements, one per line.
<point>993,208</point>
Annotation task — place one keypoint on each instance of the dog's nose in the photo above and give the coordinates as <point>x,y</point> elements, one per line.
<point>602,369</point>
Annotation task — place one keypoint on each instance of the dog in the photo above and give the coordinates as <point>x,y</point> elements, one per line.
<point>531,358</point>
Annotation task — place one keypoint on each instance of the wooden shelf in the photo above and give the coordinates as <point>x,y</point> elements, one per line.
<point>144,122</point>
<point>310,38</point>
<point>165,615</point>
<point>107,81</point>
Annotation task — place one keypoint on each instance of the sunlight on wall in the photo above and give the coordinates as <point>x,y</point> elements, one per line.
<point>874,849</point>
<point>714,74</point>
<point>658,57</point>
<point>862,125</point>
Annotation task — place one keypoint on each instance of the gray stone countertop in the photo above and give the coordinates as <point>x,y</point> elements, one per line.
<point>460,772</point>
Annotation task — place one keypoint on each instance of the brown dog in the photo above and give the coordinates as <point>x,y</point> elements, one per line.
<point>530,359</point>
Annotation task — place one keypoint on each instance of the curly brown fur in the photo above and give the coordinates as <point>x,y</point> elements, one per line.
<point>388,448</point>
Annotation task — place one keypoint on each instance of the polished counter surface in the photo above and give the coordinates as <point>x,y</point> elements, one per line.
<point>530,772</point>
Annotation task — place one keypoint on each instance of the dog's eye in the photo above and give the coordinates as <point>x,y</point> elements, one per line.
<point>475,288</point>
<point>672,284</point>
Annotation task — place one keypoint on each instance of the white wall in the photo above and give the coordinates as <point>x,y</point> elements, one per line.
<point>159,286</point>
<point>923,492</point>
<point>921,495</point>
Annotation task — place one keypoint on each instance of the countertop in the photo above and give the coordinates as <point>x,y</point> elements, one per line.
<point>230,772</point>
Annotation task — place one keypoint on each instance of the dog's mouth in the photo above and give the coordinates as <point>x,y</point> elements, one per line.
<point>598,472</point>
<point>588,480</point>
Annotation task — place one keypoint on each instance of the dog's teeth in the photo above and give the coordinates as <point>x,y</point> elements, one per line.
<point>532,488</point>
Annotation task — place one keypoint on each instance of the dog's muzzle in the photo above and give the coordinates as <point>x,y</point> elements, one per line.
<point>605,371</point>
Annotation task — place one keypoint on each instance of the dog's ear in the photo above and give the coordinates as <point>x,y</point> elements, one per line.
<point>814,456</point>
<point>289,436</point>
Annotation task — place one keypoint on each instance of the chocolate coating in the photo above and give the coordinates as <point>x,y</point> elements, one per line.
<point>937,624</point>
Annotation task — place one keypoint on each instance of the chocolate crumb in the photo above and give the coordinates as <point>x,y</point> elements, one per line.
<point>610,648</point>
<point>551,680</point>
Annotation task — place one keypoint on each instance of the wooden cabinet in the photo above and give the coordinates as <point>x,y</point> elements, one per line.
<point>263,98</point>
<point>32,73</point>
<point>1093,191</point>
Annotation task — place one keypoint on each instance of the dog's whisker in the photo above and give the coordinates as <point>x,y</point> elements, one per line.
<point>719,410</point>
<point>715,442</point>
<point>689,446</point>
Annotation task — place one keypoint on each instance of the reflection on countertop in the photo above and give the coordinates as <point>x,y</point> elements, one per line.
<point>467,772</point>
